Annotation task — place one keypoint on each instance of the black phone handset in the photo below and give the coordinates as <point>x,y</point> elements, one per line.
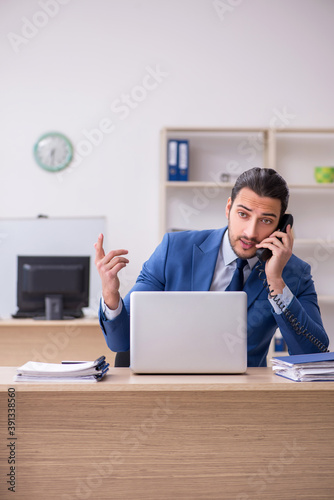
<point>264,254</point>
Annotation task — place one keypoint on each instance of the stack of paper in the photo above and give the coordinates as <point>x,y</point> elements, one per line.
<point>305,367</point>
<point>89,371</point>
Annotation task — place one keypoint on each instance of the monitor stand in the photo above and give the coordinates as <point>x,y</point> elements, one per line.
<point>53,307</point>
<point>52,312</point>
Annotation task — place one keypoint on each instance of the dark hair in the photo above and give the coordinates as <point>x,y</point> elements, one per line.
<point>264,182</point>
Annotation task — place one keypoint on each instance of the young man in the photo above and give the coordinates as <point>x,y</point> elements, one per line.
<point>206,260</point>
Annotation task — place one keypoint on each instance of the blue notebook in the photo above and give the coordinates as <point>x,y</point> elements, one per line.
<point>297,359</point>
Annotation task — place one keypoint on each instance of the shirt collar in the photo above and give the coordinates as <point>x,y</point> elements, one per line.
<point>230,256</point>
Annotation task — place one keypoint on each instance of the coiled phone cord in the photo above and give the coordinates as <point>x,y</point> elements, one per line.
<point>298,328</point>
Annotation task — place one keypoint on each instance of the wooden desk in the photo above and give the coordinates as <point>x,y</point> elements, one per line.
<point>248,437</point>
<point>23,340</point>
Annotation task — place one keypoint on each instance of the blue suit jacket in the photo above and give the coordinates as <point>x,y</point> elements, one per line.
<point>186,261</point>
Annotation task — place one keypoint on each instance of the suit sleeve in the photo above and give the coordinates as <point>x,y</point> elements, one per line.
<point>303,314</point>
<point>151,278</point>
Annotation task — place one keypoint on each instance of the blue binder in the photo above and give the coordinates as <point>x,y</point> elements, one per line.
<point>297,359</point>
<point>172,158</point>
<point>183,158</point>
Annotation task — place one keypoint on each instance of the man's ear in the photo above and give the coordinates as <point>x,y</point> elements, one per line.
<point>228,207</point>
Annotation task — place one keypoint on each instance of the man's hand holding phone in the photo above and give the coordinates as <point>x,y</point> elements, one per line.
<point>280,244</point>
<point>108,266</point>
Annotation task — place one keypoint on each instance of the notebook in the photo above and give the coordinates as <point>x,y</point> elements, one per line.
<point>188,332</point>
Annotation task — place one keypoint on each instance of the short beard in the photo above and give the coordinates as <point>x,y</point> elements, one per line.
<point>233,245</point>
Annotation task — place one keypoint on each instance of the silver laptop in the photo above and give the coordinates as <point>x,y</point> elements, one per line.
<point>188,332</point>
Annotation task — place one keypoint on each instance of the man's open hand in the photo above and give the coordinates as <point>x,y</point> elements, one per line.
<point>108,267</point>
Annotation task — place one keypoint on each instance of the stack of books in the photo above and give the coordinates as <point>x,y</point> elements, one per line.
<point>67,371</point>
<point>305,367</point>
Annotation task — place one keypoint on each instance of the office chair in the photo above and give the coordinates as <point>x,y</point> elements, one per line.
<point>122,359</point>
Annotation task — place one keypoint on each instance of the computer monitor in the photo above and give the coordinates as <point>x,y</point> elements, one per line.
<point>52,287</point>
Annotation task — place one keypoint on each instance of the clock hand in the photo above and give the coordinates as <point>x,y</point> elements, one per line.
<point>52,154</point>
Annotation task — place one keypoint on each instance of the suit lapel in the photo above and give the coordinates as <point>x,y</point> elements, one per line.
<point>204,260</point>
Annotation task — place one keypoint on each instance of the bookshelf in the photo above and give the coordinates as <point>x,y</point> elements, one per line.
<point>218,155</point>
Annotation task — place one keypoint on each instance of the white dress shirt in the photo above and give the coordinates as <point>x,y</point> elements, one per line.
<point>226,265</point>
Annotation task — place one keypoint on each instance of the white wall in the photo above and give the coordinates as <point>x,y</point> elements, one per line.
<point>240,66</point>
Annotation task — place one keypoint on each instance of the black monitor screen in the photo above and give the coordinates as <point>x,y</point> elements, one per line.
<point>52,287</point>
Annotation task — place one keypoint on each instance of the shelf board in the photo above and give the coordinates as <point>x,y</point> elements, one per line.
<point>213,130</point>
<point>326,299</point>
<point>280,131</point>
<point>305,242</point>
<point>224,185</point>
<point>304,131</point>
<point>325,185</point>
<point>198,184</point>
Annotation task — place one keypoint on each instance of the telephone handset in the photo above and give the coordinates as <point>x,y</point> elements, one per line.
<point>264,253</point>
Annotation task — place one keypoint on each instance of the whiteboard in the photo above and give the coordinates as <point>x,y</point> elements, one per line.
<point>46,236</point>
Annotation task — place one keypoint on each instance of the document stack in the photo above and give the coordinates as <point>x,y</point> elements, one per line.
<point>67,371</point>
<point>305,367</point>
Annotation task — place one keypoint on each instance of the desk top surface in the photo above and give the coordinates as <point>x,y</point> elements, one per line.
<point>24,322</point>
<point>122,379</point>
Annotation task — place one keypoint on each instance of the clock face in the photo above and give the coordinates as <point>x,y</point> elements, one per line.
<point>53,152</point>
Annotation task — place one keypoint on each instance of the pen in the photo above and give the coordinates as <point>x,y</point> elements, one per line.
<point>73,362</point>
<point>97,362</point>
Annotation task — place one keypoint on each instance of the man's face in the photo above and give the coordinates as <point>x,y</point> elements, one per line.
<point>251,218</point>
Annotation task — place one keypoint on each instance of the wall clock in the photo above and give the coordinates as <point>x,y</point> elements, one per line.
<point>53,151</point>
